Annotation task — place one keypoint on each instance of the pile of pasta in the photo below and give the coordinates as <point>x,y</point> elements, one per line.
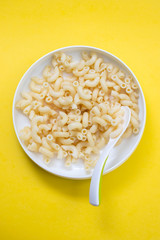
<point>75,107</point>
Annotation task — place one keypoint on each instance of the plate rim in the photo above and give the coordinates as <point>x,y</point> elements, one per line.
<point>142,127</point>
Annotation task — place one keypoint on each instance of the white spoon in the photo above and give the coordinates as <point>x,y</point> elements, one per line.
<point>94,194</point>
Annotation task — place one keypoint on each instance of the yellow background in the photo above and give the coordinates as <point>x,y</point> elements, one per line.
<point>36,205</point>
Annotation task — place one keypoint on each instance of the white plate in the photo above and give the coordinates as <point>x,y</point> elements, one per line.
<point>118,155</point>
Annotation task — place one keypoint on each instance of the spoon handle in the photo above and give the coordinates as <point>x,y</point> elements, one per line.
<point>95,186</point>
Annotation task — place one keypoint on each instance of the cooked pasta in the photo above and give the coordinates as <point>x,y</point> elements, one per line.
<point>74,115</point>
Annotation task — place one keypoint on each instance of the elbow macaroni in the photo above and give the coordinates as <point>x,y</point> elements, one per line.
<point>73,116</point>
